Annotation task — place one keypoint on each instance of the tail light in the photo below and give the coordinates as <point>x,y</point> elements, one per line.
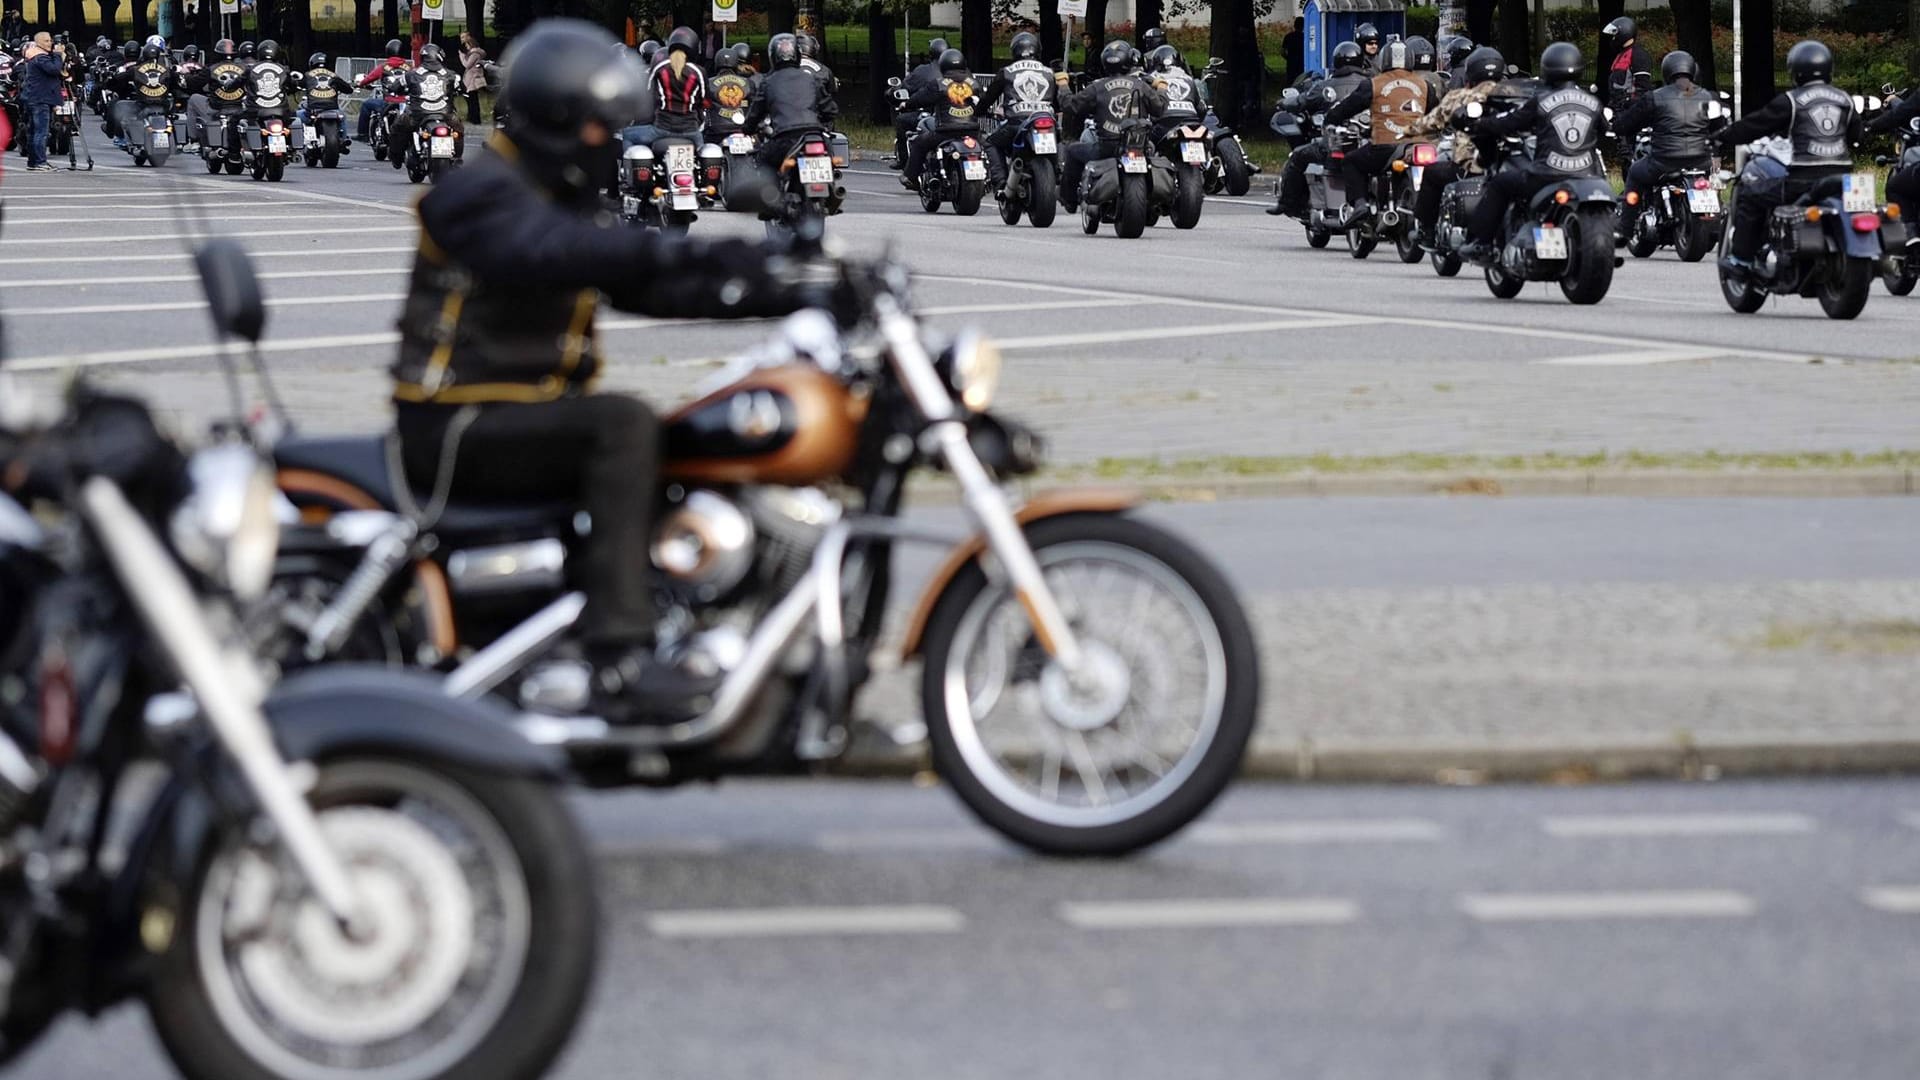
<point>969,143</point>
<point>1701,183</point>
<point>713,174</point>
<point>682,180</point>
<point>442,131</point>
<point>1633,198</point>
<point>1563,196</point>
<point>1043,123</point>
<point>59,706</point>
<point>815,148</point>
<point>1425,154</point>
<point>1866,222</point>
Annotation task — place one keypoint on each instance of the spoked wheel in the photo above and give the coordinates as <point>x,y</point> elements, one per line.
<point>1043,192</point>
<point>1361,241</point>
<point>475,957</point>
<point>1845,286</point>
<point>1407,245</point>
<point>1089,217</point>
<point>929,198</point>
<point>1645,238</point>
<point>1446,264</point>
<point>1900,281</point>
<point>1130,748</point>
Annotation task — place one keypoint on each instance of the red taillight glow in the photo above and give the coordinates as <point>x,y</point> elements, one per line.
<point>1702,183</point>
<point>681,179</point>
<point>442,131</point>
<point>1866,222</point>
<point>1426,154</point>
<point>970,144</point>
<point>58,707</point>
<point>1044,123</point>
<point>816,148</point>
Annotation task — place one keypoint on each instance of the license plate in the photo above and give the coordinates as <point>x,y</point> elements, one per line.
<point>816,170</point>
<point>973,169</point>
<point>680,157</point>
<point>1045,142</point>
<point>159,139</point>
<point>685,200</point>
<point>740,143</point>
<point>1703,200</point>
<point>1133,163</point>
<point>1549,243</point>
<point>277,144</point>
<point>442,146</point>
<point>1860,197</point>
<point>630,206</point>
<point>1193,153</point>
<point>65,108</point>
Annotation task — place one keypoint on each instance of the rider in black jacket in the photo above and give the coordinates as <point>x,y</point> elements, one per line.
<point>1109,101</point>
<point>1903,186</point>
<point>924,77</point>
<point>498,354</point>
<point>791,100</point>
<point>1566,123</point>
<point>431,88</point>
<point>954,104</point>
<point>1682,134</point>
<point>1631,75</point>
<point>323,89</point>
<point>218,89</point>
<point>1350,72</point>
<point>1024,88</point>
<point>1818,119</point>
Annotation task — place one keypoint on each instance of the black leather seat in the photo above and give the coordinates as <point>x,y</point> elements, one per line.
<point>362,462</point>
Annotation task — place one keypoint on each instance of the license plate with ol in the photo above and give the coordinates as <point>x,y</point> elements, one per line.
<point>1193,153</point>
<point>1859,197</point>
<point>1045,142</point>
<point>816,170</point>
<point>442,146</point>
<point>1133,163</point>
<point>973,169</point>
<point>277,144</point>
<point>1549,242</point>
<point>739,143</point>
<point>1703,200</point>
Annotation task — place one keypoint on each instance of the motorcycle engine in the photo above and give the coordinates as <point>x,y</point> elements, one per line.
<point>706,544</point>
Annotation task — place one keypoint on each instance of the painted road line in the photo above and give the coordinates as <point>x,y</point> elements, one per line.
<point>1027,305</point>
<point>1893,899</point>
<point>905,840</point>
<point>806,921</point>
<point>187,256</point>
<point>1653,825</point>
<point>1359,831</point>
<point>248,233</point>
<point>1196,914</point>
<point>170,218</point>
<point>1542,907</point>
<point>193,352</point>
<point>165,279</point>
<point>196,305</point>
<point>1633,358</point>
<point>1169,333</point>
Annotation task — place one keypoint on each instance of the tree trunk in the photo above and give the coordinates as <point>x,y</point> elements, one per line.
<point>883,60</point>
<point>1146,15</point>
<point>110,19</point>
<point>1480,21</point>
<point>780,16</point>
<point>1913,39</point>
<point>1097,28</point>
<point>1232,38</point>
<point>390,20</point>
<point>1693,33</point>
<point>1053,42</point>
<point>1756,67</point>
<point>296,24</point>
<point>142,22</point>
<point>976,34</point>
<point>1516,37</point>
<point>363,27</point>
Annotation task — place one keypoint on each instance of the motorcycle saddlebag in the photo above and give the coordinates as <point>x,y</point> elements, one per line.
<point>1103,181</point>
<point>1794,234</point>
<point>841,149</point>
<point>1162,176</point>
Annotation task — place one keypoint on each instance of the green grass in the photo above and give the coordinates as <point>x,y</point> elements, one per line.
<point>1118,468</point>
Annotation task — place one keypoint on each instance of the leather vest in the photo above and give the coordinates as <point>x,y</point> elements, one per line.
<point>1029,88</point>
<point>731,94</point>
<point>1338,87</point>
<point>227,85</point>
<point>1183,97</point>
<point>1567,133</point>
<point>1680,131</point>
<point>956,113</point>
<point>1399,99</point>
<point>1822,120</point>
<point>1117,99</point>
<point>430,91</point>
<point>153,82</point>
<point>321,92</point>
<point>267,86</point>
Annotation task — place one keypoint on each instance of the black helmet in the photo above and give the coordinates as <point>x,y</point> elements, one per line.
<point>648,50</point>
<point>1810,61</point>
<point>103,42</point>
<point>1164,58</point>
<point>191,52</point>
<point>223,48</point>
<point>809,48</point>
<point>1562,62</point>
<point>951,61</point>
<point>317,60</point>
<point>1395,57</point>
<point>1025,45</point>
<point>1366,34</point>
<point>395,48</point>
<point>1420,54</point>
<point>742,52</point>
<point>1458,50</point>
<point>1348,54</point>
<point>725,60</point>
<point>269,50</point>
<point>783,51</point>
<point>1678,65</point>
<point>247,50</point>
<point>1116,58</point>
<point>558,77</point>
<point>1485,64</point>
<point>1620,29</point>
<point>935,48</point>
<point>131,50</point>
<point>433,57</point>
<point>152,52</point>
<point>684,39</point>
<point>1153,39</point>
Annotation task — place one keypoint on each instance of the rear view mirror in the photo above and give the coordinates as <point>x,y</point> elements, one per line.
<point>233,289</point>
<point>1289,99</point>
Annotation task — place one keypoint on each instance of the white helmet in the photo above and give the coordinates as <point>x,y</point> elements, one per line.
<point>156,39</point>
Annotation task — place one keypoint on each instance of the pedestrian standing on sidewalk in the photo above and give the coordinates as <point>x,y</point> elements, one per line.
<point>473,73</point>
<point>45,65</point>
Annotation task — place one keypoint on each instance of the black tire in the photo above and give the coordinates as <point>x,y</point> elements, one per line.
<point>1692,238</point>
<point>235,166</point>
<point>1742,296</point>
<point>1131,219</point>
<point>1446,264</point>
<point>929,199</point>
<point>379,151</point>
<point>213,164</point>
<point>1361,242</point>
<point>1233,166</point>
<point>676,223</point>
<point>1089,218</point>
<point>1318,238</point>
<point>1901,282</point>
<point>1011,208</point>
<point>1845,286</point>
<point>276,170</point>
<point>1589,272</point>
<point>1043,192</point>
<point>1189,197</point>
<point>330,157</point>
<point>968,197</point>
<point>59,143</point>
<point>542,1006</point>
<point>1406,245</point>
<point>1217,763</point>
<point>1502,284</point>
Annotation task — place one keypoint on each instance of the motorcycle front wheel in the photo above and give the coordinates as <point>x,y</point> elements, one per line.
<point>1318,238</point>
<point>1128,750</point>
<point>1233,163</point>
<point>1900,282</point>
<point>1406,245</point>
<point>478,953</point>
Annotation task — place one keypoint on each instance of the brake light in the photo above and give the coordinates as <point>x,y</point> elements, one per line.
<point>442,131</point>
<point>1043,123</point>
<point>1702,183</point>
<point>1866,222</point>
<point>682,180</point>
<point>970,144</point>
<point>816,148</point>
<point>1426,154</point>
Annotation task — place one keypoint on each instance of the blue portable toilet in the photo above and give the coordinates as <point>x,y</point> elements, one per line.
<point>1324,24</point>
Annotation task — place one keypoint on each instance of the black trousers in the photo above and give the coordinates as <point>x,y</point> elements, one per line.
<point>404,124</point>
<point>1077,156</point>
<point>601,452</point>
<point>924,143</point>
<point>1764,185</point>
<point>1361,165</point>
<point>1293,178</point>
<point>1903,190</point>
<point>1503,190</point>
<point>1642,177</point>
<point>903,128</point>
<point>1433,186</point>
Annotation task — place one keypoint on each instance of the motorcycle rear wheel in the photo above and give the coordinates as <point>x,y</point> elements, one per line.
<point>1901,282</point>
<point>1043,192</point>
<point>1845,286</point>
<point>276,170</point>
<point>1146,745</point>
<point>1502,284</point>
<point>1131,219</point>
<point>330,157</point>
<point>1445,264</point>
<point>1692,238</point>
<point>1589,272</point>
<point>483,887</point>
<point>1189,197</point>
<point>235,166</point>
<point>1011,208</point>
<point>929,197</point>
<point>1407,246</point>
<point>968,197</point>
<point>1361,242</point>
<point>1233,163</point>
<point>1089,218</point>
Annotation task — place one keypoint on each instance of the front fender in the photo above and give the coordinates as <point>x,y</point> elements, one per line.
<point>1045,505</point>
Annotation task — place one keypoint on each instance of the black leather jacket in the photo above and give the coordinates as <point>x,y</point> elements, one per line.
<point>791,99</point>
<point>1023,88</point>
<point>1566,123</point>
<point>1111,100</point>
<point>1682,134</point>
<point>270,87</point>
<point>1817,117</point>
<point>953,101</point>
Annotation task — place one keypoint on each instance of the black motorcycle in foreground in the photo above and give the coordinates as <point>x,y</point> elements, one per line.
<point>1563,234</point>
<point>1190,148</point>
<point>326,138</point>
<point>348,875</point>
<point>1032,187</point>
<point>1088,689</point>
<point>1829,244</point>
<point>435,148</point>
<point>806,191</point>
<point>1130,190</point>
<point>1902,271</point>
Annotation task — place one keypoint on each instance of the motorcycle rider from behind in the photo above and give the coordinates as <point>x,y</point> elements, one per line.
<point>1395,99</point>
<point>810,63</point>
<point>1630,76</point>
<point>147,88</point>
<point>679,89</point>
<point>1182,91</point>
<point>1480,73</point>
<point>1818,120</point>
<point>1110,101</point>
<point>1350,73</point>
<point>120,80</point>
<point>1565,122</point>
<point>1682,134</point>
<point>498,353</point>
<point>377,106</point>
<point>323,87</point>
<point>219,89</point>
<point>790,101</point>
<point>1024,88</point>
<point>954,105</point>
<point>430,92</point>
<point>924,77</point>
<point>730,92</point>
<point>1903,184</point>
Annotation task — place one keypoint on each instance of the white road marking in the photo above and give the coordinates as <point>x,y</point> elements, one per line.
<point>1167,333</point>
<point>1030,305</point>
<point>883,194</point>
<point>171,218</point>
<point>1359,831</point>
<point>164,279</point>
<point>147,238</point>
<point>187,256</point>
<point>807,921</point>
<point>1674,904</point>
<point>309,196</point>
<point>1893,899</point>
<point>196,305</point>
<point>190,352</point>
<point>1194,914</point>
<point>856,840</point>
<point>1632,358</point>
<point>1651,825</point>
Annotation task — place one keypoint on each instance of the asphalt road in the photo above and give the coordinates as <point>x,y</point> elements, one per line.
<point>819,929</point>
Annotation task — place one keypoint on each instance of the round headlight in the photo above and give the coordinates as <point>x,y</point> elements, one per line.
<point>975,370</point>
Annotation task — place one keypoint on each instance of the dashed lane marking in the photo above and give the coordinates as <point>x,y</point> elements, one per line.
<point>1676,825</point>
<point>171,218</point>
<point>165,279</point>
<point>149,238</point>
<point>1382,831</point>
<point>807,921</point>
<point>1893,899</point>
<point>1208,914</point>
<point>1544,907</point>
<point>1632,358</point>
<point>1168,333</point>
<point>187,256</point>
